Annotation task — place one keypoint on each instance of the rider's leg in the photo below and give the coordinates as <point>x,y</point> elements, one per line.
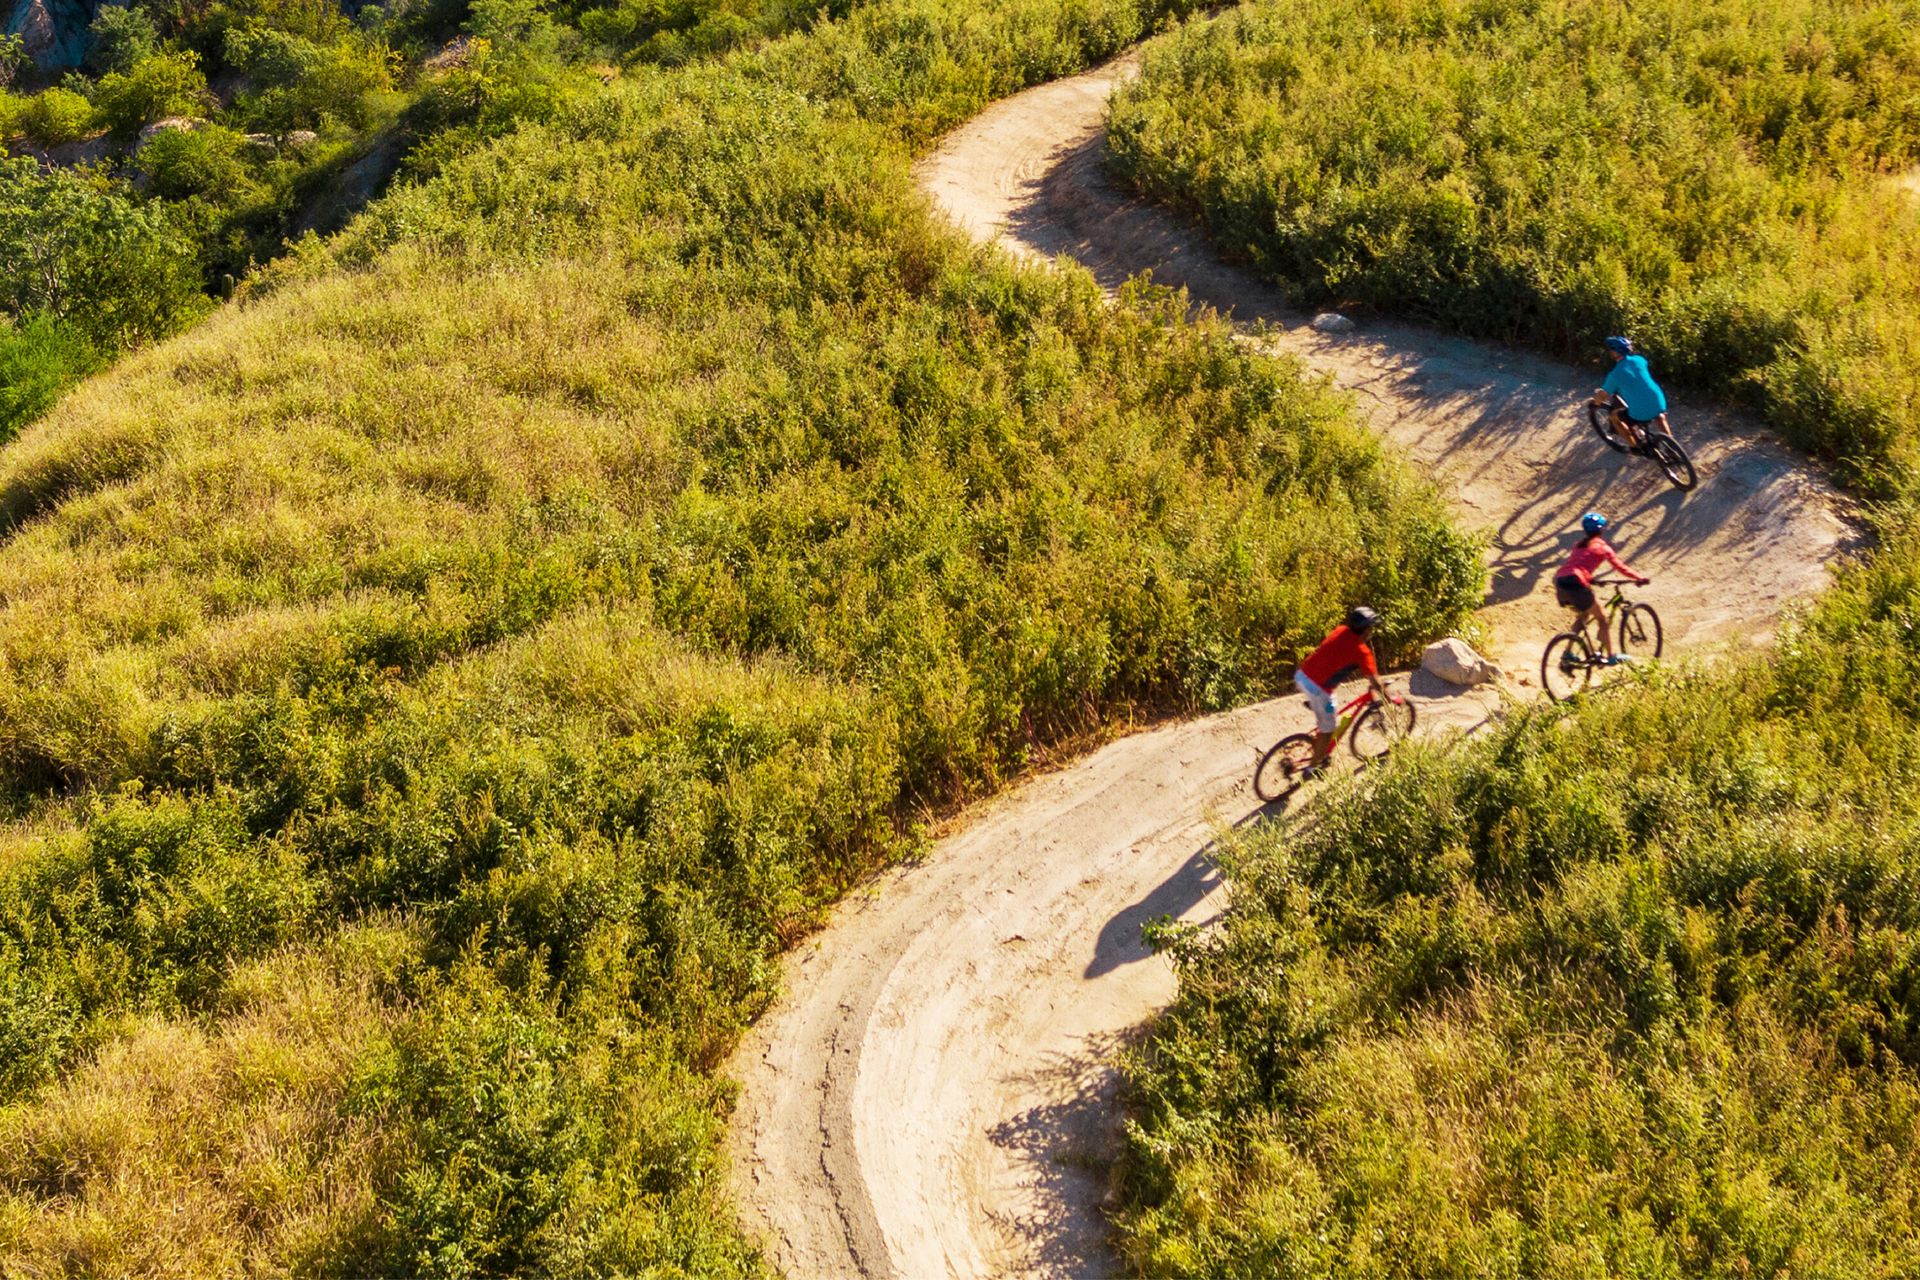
<point>1325,718</point>
<point>1322,748</point>
<point>1596,613</point>
<point>1665,429</point>
<point>1623,427</point>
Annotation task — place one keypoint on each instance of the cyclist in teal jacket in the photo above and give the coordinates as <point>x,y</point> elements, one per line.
<point>1632,382</point>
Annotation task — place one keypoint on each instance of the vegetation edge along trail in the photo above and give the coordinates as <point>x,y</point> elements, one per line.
<point>955,1037</point>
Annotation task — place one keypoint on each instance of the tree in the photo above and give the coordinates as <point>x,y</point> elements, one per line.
<point>78,250</point>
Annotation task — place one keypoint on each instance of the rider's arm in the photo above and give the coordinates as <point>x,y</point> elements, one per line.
<point>1372,671</point>
<point>1614,559</point>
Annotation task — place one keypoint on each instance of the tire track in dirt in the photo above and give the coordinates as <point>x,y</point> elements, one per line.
<point>934,1094</point>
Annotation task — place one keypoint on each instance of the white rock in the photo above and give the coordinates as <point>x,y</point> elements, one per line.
<point>1332,322</point>
<point>172,124</point>
<point>1455,662</point>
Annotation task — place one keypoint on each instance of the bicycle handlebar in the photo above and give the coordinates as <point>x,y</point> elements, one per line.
<point>1617,582</point>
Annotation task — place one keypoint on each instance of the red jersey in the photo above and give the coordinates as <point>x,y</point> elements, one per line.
<point>1587,559</point>
<point>1337,654</point>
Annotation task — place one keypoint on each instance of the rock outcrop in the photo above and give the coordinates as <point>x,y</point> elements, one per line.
<point>54,32</point>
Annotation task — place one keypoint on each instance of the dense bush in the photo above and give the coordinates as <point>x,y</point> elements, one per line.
<point>54,117</point>
<point>1631,988</point>
<point>156,87</point>
<point>208,161</point>
<point>39,358</point>
<point>124,35</point>
<point>562,585</point>
<point>1710,177</point>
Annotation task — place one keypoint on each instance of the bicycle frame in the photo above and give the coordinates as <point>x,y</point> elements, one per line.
<point>1348,714</point>
<point>1611,606</point>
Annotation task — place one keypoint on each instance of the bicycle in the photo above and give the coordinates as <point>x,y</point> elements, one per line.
<point>1662,448</point>
<point>1570,654</point>
<point>1377,728</point>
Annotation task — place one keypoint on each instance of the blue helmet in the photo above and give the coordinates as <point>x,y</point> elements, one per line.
<point>1593,522</point>
<point>1620,346</point>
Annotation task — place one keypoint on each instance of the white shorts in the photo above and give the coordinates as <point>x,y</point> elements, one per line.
<point>1325,719</point>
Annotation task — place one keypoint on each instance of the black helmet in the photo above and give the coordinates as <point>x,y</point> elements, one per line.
<point>1362,618</point>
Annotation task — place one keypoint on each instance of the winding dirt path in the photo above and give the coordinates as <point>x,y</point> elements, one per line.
<point>934,1094</point>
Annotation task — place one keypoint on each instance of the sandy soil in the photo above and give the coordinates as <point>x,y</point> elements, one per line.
<point>934,1093</point>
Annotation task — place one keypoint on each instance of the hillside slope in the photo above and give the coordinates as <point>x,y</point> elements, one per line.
<point>434,690</point>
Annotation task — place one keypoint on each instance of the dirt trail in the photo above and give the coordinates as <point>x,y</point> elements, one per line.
<point>934,1093</point>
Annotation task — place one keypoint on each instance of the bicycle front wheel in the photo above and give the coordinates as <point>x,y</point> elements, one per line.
<point>1567,666</point>
<point>1602,423</point>
<point>1640,631</point>
<point>1673,460</point>
<point>1278,773</point>
<point>1380,728</point>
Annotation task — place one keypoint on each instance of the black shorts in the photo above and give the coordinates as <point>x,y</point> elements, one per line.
<point>1573,593</point>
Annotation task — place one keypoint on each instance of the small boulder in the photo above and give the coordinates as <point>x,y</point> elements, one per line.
<point>1455,662</point>
<point>1332,322</point>
<point>172,124</point>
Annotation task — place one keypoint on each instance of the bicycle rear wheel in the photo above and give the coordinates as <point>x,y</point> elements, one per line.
<point>1640,631</point>
<point>1380,728</point>
<point>1673,460</point>
<point>1602,423</point>
<point>1278,773</point>
<point>1566,668</point>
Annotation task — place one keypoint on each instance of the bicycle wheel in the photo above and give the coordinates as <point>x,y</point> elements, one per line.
<point>1566,667</point>
<point>1640,631</point>
<point>1673,460</point>
<point>1381,727</point>
<point>1278,773</point>
<point>1602,423</point>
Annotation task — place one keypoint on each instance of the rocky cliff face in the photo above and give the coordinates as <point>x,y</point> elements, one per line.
<point>54,31</point>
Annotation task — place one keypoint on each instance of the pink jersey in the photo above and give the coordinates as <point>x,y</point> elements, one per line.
<point>1587,559</point>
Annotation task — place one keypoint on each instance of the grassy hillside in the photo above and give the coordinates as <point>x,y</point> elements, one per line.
<point>432,691</point>
<point>1631,988</point>
<point>1716,178</point>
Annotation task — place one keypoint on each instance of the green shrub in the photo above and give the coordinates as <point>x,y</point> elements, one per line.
<point>1708,177</point>
<point>160,86</point>
<point>40,357</point>
<point>55,116</point>
<point>207,161</point>
<point>124,36</point>
<point>298,84</point>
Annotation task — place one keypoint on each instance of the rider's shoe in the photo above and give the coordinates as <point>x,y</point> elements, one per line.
<point>1613,659</point>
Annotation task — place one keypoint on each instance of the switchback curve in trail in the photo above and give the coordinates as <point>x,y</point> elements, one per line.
<point>934,1093</point>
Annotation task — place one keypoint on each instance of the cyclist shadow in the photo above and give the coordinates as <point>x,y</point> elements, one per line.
<point>1121,943</point>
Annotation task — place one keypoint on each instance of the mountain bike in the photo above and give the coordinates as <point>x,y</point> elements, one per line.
<point>1377,727</point>
<point>1567,667</point>
<point>1662,448</point>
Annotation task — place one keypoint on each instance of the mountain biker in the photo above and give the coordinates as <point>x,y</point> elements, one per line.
<point>1344,651</point>
<point>1573,584</point>
<point>1632,382</point>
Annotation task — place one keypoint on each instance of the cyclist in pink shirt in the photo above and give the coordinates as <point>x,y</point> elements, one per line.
<point>1573,584</point>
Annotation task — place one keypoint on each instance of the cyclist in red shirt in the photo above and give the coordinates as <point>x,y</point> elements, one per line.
<point>1343,652</point>
<point>1573,584</point>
